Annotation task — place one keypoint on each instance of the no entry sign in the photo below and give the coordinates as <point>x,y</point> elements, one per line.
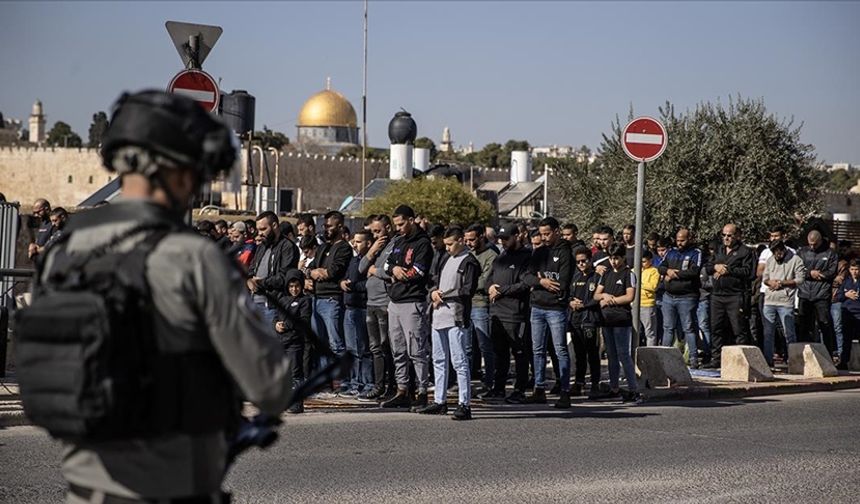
<point>644,139</point>
<point>198,85</point>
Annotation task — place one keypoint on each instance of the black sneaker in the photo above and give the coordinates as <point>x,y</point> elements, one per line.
<point>400,400</point>
<point>492,395</point>
<point>563,400</point>
<point>711,365</point>
<point>556,389</point>
<point>537,397</point>
<point>516,397</point>
<point>296,408</point>
<point>371,395</point>
<point>462,412</point>
<point>631,397</point>
<point>576,390</point>
<point>433,409</point>
<point>419,402</point>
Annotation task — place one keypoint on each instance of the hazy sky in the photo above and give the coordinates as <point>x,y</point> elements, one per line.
<point>547,72</point>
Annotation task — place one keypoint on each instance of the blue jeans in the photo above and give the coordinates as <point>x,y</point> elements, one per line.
<point>786,318</point>
<point>268,315</point>
<point>327,323</point>
<point>617,341</point>
<point>481,325</point>
<point>836,314</point>
<point>703,321</point>
<point>554,321</point>
<point>683,309</point>
<point>451,341</point>
<point>357,344</point>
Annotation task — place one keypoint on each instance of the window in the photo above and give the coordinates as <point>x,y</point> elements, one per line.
<point>70,179</point>
<point>91,179</point>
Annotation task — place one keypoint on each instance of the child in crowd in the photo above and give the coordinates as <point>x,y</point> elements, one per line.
<point>648,298</point>
<point>293,325</point>
<point>615,293</point>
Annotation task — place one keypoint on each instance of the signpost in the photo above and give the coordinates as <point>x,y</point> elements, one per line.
<point>644,139</point>
<point>198,85</point>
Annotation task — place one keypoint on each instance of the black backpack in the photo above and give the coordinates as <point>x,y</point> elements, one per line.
<point>85,349</point>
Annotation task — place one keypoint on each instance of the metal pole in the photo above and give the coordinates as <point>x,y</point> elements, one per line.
<point>275,152</point>
<point>637,256</point>
<point>364,116</point>
<point>546,190</point>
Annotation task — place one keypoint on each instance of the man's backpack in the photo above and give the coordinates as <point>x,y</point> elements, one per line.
<point>85,348</point>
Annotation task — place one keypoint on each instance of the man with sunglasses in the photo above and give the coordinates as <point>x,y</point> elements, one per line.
<point>733,268</point>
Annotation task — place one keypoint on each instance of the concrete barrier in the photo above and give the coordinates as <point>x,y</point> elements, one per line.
<point>854,363</point>
<point>744,363</point>
<point>661,367</point>
<point>812,360</point>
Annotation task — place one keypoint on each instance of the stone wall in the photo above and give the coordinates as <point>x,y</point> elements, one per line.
<point>65,177</point>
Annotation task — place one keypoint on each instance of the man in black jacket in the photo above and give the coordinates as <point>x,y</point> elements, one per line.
<point>268,272</point>
<point>330,264</point>
<point>733,268</point>
<point>585,322</point>
<point>509,310</point>
<point>408,265</point>
<point>814,293</point>
<point>549,276</point>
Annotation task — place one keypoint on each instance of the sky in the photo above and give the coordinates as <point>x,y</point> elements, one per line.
<point>546,72</point>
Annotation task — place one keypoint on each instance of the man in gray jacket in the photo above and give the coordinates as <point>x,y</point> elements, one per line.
<point>783,274</point>
<point>164,147</point>
<point>373,265</point>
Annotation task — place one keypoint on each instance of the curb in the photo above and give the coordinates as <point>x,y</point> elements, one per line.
<point>13,419</point>
<point>751,390</point>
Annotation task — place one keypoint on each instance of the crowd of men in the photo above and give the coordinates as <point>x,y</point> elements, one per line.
<point>422,307</point>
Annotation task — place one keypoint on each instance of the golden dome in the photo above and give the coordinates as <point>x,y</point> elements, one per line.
<point>327,108</point>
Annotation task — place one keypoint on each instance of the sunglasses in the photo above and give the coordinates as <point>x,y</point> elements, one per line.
<point>581,261</point>
<point>729,235</point>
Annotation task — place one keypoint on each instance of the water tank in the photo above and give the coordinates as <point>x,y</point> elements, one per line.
<point>402,128</point>
<point>521,167</point>
<point>237,111</point>
<point>842,217</point>
<point>421,159</point>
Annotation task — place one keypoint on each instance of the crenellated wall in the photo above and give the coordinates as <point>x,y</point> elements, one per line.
<point>67,176</point>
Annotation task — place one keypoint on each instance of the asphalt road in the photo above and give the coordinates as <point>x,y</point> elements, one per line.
<point>795,448</point>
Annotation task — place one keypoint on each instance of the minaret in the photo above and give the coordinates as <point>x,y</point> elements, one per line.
<point>446,145</point>
<point>37,124</point>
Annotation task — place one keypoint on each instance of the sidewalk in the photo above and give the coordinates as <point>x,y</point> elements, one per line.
<point>705,387</point>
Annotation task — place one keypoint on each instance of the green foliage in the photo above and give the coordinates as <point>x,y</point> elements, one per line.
<point>426,143</point>
<point>443,201</point>
<point>491,156</point>
<point>723,164</point>
<point>97,129</point>
<point>268,138</point>
<point>354,151</point>
<point>61,135</point>
<point>842,180</point>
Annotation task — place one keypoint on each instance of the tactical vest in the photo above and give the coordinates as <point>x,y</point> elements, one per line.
<point>88,363</point>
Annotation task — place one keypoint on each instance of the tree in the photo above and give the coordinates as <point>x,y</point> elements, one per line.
<point>491,156</point>
<point>426,143</point>
<point>97,129</point>
<point>736,163</point>
<point>842,180</point>
<point>442,200</point>
<point>61,135</point>
<point>354,151</point>
<point>268,138</point>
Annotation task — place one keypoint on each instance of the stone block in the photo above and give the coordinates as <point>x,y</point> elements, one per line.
<point>854,363</point>
<point>661,367</point>
<point>812,360</point>
<point>744,363</point>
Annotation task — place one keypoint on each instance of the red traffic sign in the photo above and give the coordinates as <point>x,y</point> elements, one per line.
<point>198,85</point>
<point>644,139</point>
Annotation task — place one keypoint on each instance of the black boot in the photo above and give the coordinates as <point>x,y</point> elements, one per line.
<point>563,400</point>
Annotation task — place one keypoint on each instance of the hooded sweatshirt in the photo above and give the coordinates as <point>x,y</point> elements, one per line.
<point>553,263</point>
